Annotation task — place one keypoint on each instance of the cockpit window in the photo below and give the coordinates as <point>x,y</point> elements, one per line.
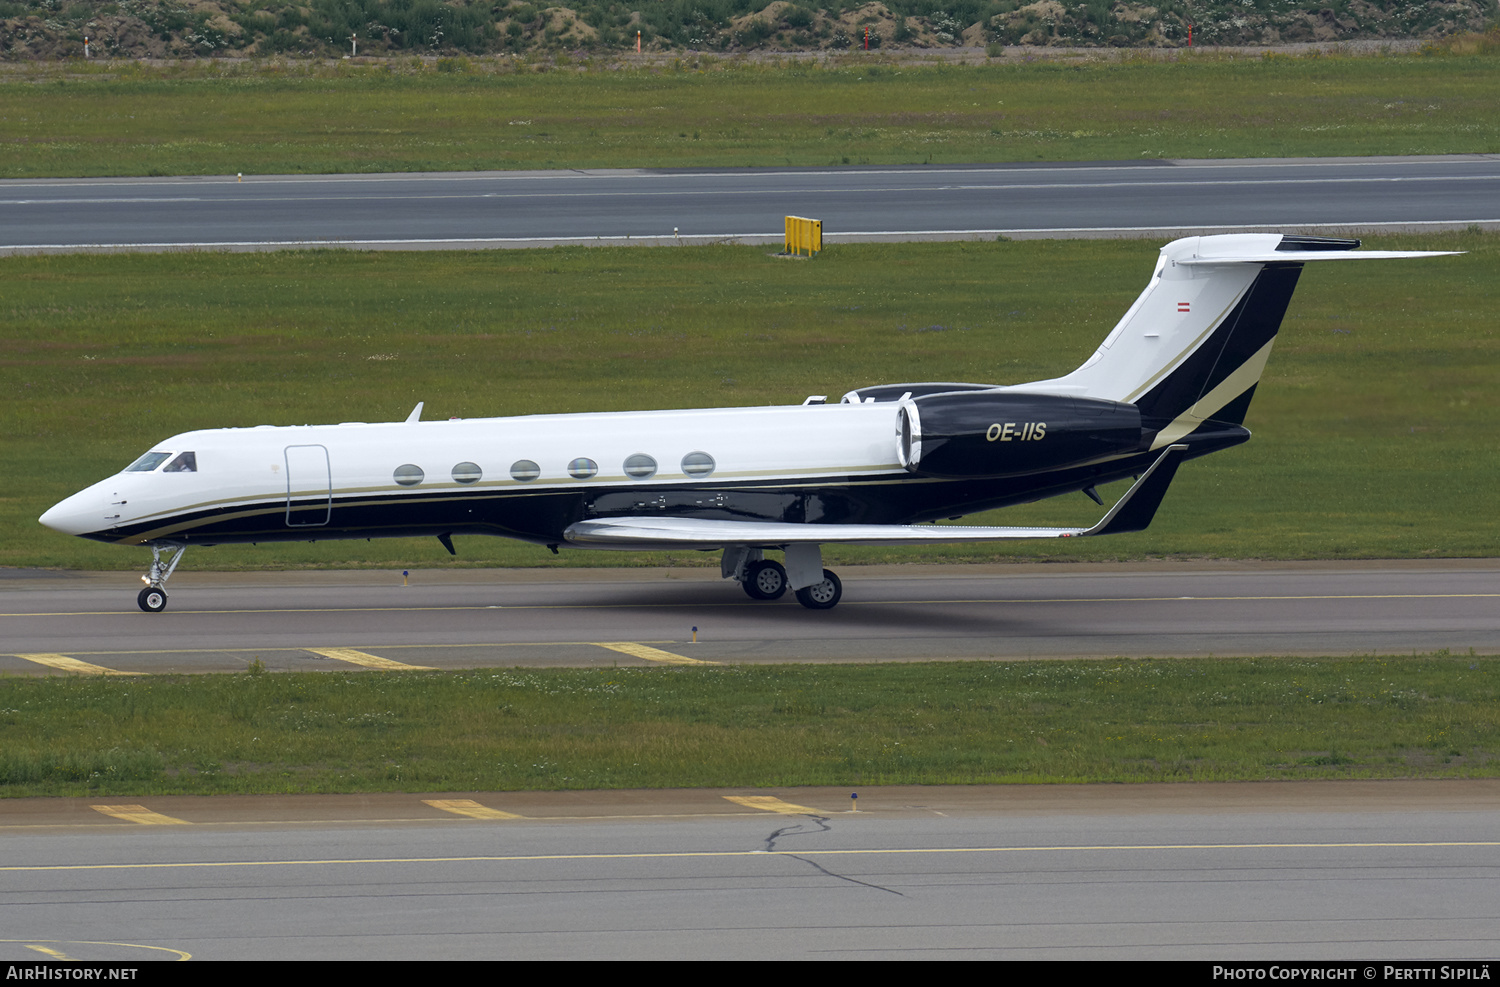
<point>186,462</point>
<point>148,462</point>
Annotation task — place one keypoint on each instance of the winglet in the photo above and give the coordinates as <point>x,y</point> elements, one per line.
<point>416,413</point>
<point>1134,511</point>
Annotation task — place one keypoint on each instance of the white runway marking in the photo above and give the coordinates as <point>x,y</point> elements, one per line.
<point>682,854</point>
<point>656,239</point>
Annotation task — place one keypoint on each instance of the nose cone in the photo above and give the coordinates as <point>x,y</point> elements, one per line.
<point>78,515</point>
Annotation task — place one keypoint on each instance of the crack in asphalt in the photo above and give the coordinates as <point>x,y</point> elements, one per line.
<point>823,827</point>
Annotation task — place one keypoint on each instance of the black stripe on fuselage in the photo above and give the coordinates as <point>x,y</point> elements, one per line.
<point>542,516</point>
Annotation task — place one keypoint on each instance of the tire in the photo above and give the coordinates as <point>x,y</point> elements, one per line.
<point>765,580</point>
<point>152,599</point>
<point>824,595</point>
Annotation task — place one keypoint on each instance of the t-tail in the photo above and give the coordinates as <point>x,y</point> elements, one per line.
<point>1192,348</point>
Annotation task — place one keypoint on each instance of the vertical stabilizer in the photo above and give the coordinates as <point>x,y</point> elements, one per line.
<point>1193,346</point>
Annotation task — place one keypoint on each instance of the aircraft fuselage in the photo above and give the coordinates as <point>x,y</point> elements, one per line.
<point>531,477</point>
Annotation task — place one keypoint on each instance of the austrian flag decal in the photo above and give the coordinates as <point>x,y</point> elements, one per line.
<point>1182,306</point>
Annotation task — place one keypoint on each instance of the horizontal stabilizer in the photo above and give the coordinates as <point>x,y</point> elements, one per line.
<point>1132,512</point>
<point>1303,256</point>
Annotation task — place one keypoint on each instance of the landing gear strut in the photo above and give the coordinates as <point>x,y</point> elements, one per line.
<point>153,599</point>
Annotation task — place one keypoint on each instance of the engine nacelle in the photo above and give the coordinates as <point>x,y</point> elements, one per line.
<point>987,434</point>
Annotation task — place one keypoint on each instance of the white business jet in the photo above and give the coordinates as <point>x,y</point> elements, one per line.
<point>1170,383</point>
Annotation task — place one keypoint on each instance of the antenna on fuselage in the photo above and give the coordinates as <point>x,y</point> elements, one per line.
<point>416,413</point>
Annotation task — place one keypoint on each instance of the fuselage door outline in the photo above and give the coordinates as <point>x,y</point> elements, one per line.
<point>308,477</point>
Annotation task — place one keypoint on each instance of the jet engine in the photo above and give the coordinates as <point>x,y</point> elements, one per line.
<point>977,435</point>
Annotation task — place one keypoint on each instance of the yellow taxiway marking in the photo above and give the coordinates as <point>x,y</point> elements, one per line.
<point>724,854</point>
<point>139,814</point>
<point>32,944</point>
<point>470,808</point>
<point>648,653</point>
<point>382,647</point>
<point>66,664</point>
<point>771,803</point>
<point>368,661</point>
<point>56,954</point>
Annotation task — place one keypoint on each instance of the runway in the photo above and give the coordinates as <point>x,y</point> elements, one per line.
<point>598,618</point>
<point>1388,871</point>
<point>527,209</point>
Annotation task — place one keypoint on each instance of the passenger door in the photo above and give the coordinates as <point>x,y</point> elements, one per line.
<point>309,486</point>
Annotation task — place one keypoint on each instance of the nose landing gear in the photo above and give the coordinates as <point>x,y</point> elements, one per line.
<point>153,599</point>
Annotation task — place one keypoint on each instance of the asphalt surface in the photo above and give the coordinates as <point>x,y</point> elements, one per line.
<point>497,209</point>
<point>485,618</point>
<point>1391,870</point>
<point>1394,871</point>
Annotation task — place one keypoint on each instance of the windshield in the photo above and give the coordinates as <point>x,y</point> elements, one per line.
<point>148,462</point>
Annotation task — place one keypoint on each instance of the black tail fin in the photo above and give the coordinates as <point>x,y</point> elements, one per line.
<point>1193,346</point>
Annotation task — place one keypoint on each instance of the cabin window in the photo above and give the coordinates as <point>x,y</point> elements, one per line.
<point>582,469</point>
<point>148,462</point>
<point>467,472</point>
<point>697,464</point>
<point>408,475</point>
<point>524,470</point>
<point>640,466</point>
<point>186,462</point>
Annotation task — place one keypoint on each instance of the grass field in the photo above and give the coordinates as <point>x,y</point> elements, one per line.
<point>927,723</point>
<point>1374,427</point>
<point>128,118</point>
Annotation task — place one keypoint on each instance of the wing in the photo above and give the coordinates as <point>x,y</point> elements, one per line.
<point>1133,512</point>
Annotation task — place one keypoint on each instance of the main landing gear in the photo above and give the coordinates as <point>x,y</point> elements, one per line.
<point>763,579</point>
<point>823,595</point>
<point>153,599</point>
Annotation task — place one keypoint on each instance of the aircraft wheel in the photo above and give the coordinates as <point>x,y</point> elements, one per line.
<point>152,599</point>
<point>765,580</point>
<point>824,595</point>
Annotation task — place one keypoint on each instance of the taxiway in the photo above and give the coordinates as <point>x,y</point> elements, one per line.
<point>581,617</point>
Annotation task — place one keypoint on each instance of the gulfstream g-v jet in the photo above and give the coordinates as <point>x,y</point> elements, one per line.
<point>1171,382</point>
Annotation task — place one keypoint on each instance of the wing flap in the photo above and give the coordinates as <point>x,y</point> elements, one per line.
<point>664,533</point>
<point>1133,512</point>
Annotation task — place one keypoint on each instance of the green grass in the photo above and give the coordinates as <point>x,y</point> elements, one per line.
<point>272,118</point>
<point>942,723</point>
<point>1373,428</point>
